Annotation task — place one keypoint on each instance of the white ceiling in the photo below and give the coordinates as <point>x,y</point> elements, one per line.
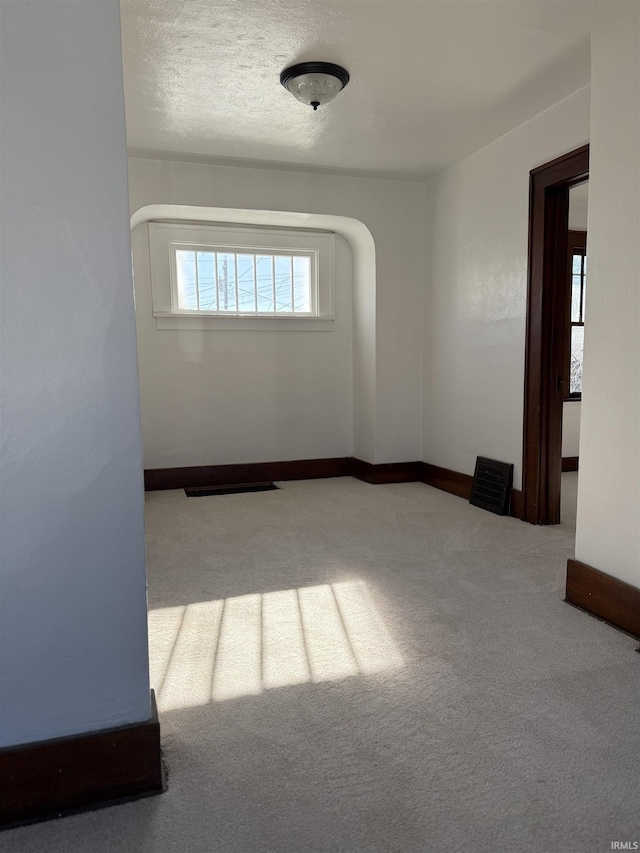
<point>431,80</point>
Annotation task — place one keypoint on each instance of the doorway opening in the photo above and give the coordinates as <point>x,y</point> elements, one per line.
<point>547,373</point>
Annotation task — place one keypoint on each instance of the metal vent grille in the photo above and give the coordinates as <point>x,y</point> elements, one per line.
<point>230,490</point>
<point>492,485</point>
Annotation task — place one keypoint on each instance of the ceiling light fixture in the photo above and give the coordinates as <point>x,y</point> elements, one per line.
<point>314,83</point>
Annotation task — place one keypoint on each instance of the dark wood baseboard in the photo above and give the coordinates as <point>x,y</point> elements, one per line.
<point>447,480</point>
<point>393,472</point>
<point>516,507</point>
<point>52,778</point>
<point>604,596</point>
<point>460,484</point>
<point>221,476</point>
<point>570,463</point>
<point>213,476</point>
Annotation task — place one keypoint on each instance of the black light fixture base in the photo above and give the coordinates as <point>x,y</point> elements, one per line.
<point>315,68</point>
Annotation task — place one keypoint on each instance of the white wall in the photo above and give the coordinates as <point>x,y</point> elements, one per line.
<point>218,397</point>
<point>579,207</point>
<point>571,428</point>
<point>73,641</point>
<point>608,523</point>
<point>475,306</point>
<point>303,407</point>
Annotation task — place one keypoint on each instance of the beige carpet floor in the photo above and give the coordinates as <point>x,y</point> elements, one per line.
<point>345,667</point>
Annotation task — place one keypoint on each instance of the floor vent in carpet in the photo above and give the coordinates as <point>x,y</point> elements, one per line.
<point>230,490</point>
<point>491,487</point>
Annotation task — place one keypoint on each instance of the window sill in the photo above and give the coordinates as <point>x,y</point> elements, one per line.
<point>196,323</point>
<point>577,398</point>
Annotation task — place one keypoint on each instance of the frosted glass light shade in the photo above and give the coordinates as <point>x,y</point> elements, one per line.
<point>314,83</point>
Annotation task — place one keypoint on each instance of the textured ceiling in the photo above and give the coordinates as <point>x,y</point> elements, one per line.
<point>431,80</point>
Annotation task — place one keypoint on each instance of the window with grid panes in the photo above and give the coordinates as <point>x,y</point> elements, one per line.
<point>212,271</point>
<point>577,295</point>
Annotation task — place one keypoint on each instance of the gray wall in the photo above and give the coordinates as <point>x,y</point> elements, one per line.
<point>73,632</point>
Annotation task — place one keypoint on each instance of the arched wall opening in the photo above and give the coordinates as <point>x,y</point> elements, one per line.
<point>281,371</point>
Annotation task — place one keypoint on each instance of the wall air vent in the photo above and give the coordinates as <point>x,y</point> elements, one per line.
<point>491,487</point>
<point>230,490</point>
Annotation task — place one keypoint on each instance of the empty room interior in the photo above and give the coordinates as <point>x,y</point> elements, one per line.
<point>320,387</point>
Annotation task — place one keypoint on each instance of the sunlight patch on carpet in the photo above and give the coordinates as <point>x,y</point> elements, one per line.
<point>211,651</point>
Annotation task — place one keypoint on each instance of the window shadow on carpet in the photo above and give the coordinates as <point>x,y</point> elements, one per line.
<point>212,651</point>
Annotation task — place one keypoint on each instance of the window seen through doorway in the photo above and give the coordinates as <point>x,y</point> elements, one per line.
<point>578,250</point>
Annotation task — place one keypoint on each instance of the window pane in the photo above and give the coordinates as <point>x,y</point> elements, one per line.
<point>577,264</point>
<point>265,283</point>
<point>577,347</point>
<point>302,285</point>
<point>575,299</point>
<point>246,284</point>
<point>283,285</point>
<point>222,282</point>
<point>207,281</point>
<point>186,280</point>
<point>226,281</point>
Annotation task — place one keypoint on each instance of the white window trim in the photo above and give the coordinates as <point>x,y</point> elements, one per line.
<point>163,235</point>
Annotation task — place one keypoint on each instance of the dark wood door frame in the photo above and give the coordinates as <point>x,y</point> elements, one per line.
<point>544,372</point>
